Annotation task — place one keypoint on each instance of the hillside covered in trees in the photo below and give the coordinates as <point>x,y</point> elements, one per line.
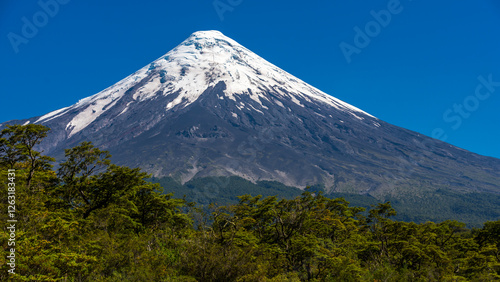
<point>90,220</point>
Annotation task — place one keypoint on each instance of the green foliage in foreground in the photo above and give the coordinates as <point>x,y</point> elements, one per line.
<point>94,221</point>
<point>473,209</point>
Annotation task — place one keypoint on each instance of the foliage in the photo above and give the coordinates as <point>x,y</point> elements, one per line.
<point>472,208</point>
<point>92,220</point>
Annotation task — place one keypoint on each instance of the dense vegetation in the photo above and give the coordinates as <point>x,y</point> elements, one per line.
<point>472,208</point>
<point>94,221</point>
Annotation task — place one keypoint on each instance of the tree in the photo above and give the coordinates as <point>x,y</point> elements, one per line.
<point>156,209</point>
<point>81,162</point>
<point>490,234</point>
<point>90,183</point>
<point>17,144</point>
<point>379,221</point>
<point>10,154</point>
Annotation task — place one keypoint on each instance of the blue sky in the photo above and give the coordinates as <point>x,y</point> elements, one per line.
<point>430,67</point>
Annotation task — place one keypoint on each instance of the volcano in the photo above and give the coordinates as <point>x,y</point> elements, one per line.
<point>211,107</point>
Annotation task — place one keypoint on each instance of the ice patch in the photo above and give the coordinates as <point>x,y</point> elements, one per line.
<point>52,115</point>
<point>89,114</point>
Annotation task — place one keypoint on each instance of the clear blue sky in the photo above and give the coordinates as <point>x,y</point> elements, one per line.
<point>419,69</point>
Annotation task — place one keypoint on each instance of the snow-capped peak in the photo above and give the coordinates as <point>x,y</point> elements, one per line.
<point>208,34</point>
<point>201,61</point>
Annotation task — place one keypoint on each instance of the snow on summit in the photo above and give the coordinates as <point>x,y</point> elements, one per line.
<point>201,61</point>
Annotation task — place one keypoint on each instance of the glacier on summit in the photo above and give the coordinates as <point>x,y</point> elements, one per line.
<point>201,61</point>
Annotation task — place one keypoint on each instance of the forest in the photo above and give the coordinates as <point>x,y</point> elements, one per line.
<point>91,220</point>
